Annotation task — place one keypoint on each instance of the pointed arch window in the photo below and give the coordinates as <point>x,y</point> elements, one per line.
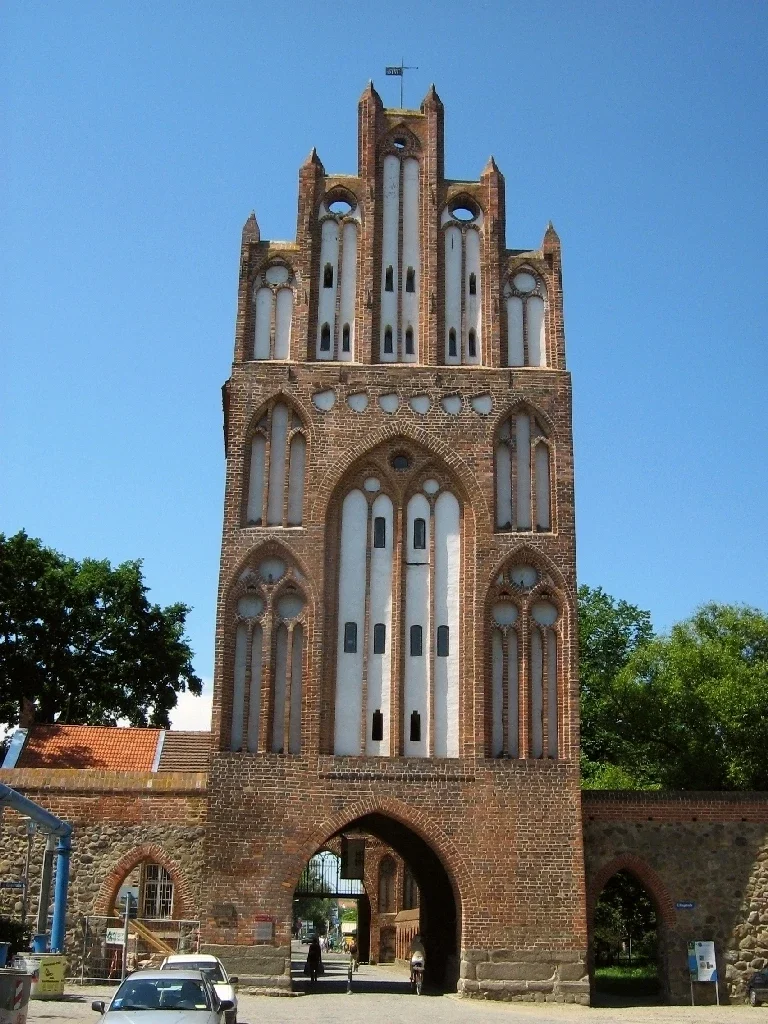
<point>526,298</point>
<point>472,343</point>
<point>410,280</point>
<point>277,455</point>
<point>523,464</point>
<point>325,338</point>
<point>272,312</point>
<point>409,347</point>
<point>389,279</point>
<point>473,284</point>
<point>452,350</point>
<point>388,347</point>
<point>345,340</point>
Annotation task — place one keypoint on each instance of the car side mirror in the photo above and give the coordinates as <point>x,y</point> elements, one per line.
<point>98,1005</point>
<point>226,1004</point>
<point>234,980</point>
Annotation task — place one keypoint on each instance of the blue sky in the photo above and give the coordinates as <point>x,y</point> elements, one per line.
<point>138,137</point>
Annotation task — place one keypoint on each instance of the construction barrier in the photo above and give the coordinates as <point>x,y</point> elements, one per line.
<point>47,970</point>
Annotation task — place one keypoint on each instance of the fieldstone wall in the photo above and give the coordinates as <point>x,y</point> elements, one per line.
<point>709,849</point>
<point>525,975</point>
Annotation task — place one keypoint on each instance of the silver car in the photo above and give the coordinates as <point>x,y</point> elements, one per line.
<point>163,997</point>
<point>224,985</point>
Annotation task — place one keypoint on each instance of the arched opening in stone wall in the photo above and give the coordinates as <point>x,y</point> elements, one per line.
<point>387,861</point>
<point>626,943</point>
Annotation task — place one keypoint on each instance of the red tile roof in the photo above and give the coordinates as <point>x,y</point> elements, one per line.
<point>89,746</point>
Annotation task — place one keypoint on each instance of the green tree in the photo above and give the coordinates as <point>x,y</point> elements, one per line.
<point>82,643</point>
<point>625,919</point>
<point>610,632</point>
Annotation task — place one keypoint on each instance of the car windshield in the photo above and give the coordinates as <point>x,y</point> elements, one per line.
<point>212,969</point>
<point>161,994</point>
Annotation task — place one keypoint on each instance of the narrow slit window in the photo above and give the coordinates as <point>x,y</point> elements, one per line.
<point>379,532</point>
<point>443,645</point>
<point>472,346</point>
<point>452,342</point>
<point>472,284</point>
<point>345,338</point>
<point>377,727</point>
<point>410,280</point>
<point>350,638</point>
<point>328,276</point>
<point>416,642</point>
<point>388,340</point>
<point>415,727</point>
<point>325,338</point>
<point>409,350</point>
<point>380,638</point>
<point>419,534</point>
<point>389,280</point>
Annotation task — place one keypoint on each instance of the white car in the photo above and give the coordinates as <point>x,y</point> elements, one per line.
<point>158,997</point>
<point>213,969</point>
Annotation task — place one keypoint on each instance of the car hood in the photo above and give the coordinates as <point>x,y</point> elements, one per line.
<point>158,1016</point>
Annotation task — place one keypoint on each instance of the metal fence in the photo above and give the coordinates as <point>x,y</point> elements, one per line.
<point>322,877</point>
<point>100,954</point>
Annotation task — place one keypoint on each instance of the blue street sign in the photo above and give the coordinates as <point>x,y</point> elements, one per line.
<point>685,905</point>
<point>7,884</point>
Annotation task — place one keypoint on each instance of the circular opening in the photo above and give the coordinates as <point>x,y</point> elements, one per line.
<point>400,462</point>
<point>272,569</point>
<point>463,213</point>
<point>290,605</point>
<point>277,275</point>
<point>524,576</point>
<point>372,484</point>
<point>544,613</point>
<point>431,486</point>
<point>524,282</point>
<point>399,143</point>
<point>340,207</point>
<point>504,613</point>
<point>250,606</point>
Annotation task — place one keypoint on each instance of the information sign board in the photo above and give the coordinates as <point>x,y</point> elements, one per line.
<point>115,936</point>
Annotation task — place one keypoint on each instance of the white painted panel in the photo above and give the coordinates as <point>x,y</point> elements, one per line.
<point>390,402</point>
<point>411,254</point>
<point>358,401</point>
<point>552,692</point>
<point>513,686</point>
<point>256,479</point>
<point>537,352</point>
<point>537,705</point>
<point>348,286</point>
<point>420,404</point>
<point>324,400</point>
<point>453,290</point>
<point>296,479</point>
<point>515,351</point>
<point>389,239</point>
<point>380,610</point>
<point>281,668</point>
<point>523,456</point>
<point>294,731</point>
<point>416,680</point>
<point>263,323</point>
<point>254,706</point>
<point>503,487</point>
<point>497,693</point>
<point>326,303</point>
<point>238,690</point>
<point>349,667</point>
<point>482,404</point>
<point>472,306</point>
<point>541,463</point>
<point>446,603</point>
<point>451,404</point>
<point>277,457</point>
<point>283,314</point>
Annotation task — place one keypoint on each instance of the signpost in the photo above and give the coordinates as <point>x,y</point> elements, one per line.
<point>7,883</point>
<point>702,965</point>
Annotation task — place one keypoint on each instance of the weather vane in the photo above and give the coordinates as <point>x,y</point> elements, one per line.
<point>398,70</point>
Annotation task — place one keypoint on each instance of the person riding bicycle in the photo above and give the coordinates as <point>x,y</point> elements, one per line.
<point>418,958</point>
<point>354,954</point>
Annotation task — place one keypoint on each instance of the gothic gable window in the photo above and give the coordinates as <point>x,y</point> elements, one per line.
<point>339,217</point>
<point>524,632</point>
<point>523,463</point>
<point>400,249</point>
<point>273,300</point>
<point>269,626</point>
<point>277,452</point>
<point>526,298</point>
<point>462,223</point>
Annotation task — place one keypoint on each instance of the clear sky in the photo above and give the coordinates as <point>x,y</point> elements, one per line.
<point>138,136</point>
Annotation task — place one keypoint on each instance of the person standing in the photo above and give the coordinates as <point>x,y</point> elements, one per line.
<point>314,965</point>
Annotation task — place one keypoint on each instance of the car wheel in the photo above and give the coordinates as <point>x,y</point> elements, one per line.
<point>753,1000</point>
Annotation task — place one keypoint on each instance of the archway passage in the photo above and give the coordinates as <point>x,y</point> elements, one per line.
<point>626,946</point>
<point>437,913</point>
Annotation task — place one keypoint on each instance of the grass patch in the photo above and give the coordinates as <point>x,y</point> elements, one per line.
<point>638,980</point>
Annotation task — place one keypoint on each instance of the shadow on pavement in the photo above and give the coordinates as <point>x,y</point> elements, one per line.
<point>334,980</point>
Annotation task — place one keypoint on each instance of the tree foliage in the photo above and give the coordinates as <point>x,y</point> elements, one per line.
<point>625,919</point>
<point>83,644</point>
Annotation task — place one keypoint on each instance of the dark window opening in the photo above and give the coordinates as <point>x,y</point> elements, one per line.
<point>472,284</point>
<point>472,347</point>
<point>350,638</point>
<point>325,338</point>
<point>379,532</point>
<point>452,342</point>
<point>400,462</point>
<point>379,638</point>
<point>388,340</point>
<point>377,726</point>
<point>389,280</point>
<point>328,276</point>
<point>345,338</point>
<point>409,350</point>
<point>410,280</point>
<point>419,534</point>
<point>442,642</point>
<point>416,644</point>
<point>415,727</point>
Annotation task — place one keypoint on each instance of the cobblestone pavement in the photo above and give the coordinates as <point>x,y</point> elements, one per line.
<point>381,995</point>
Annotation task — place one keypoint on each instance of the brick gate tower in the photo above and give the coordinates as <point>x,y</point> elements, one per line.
<point>396,634</point>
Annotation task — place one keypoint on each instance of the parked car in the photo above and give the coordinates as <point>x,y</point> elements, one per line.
<point>159,997</point>
<point>214,971</point>
<point>757,988</point>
